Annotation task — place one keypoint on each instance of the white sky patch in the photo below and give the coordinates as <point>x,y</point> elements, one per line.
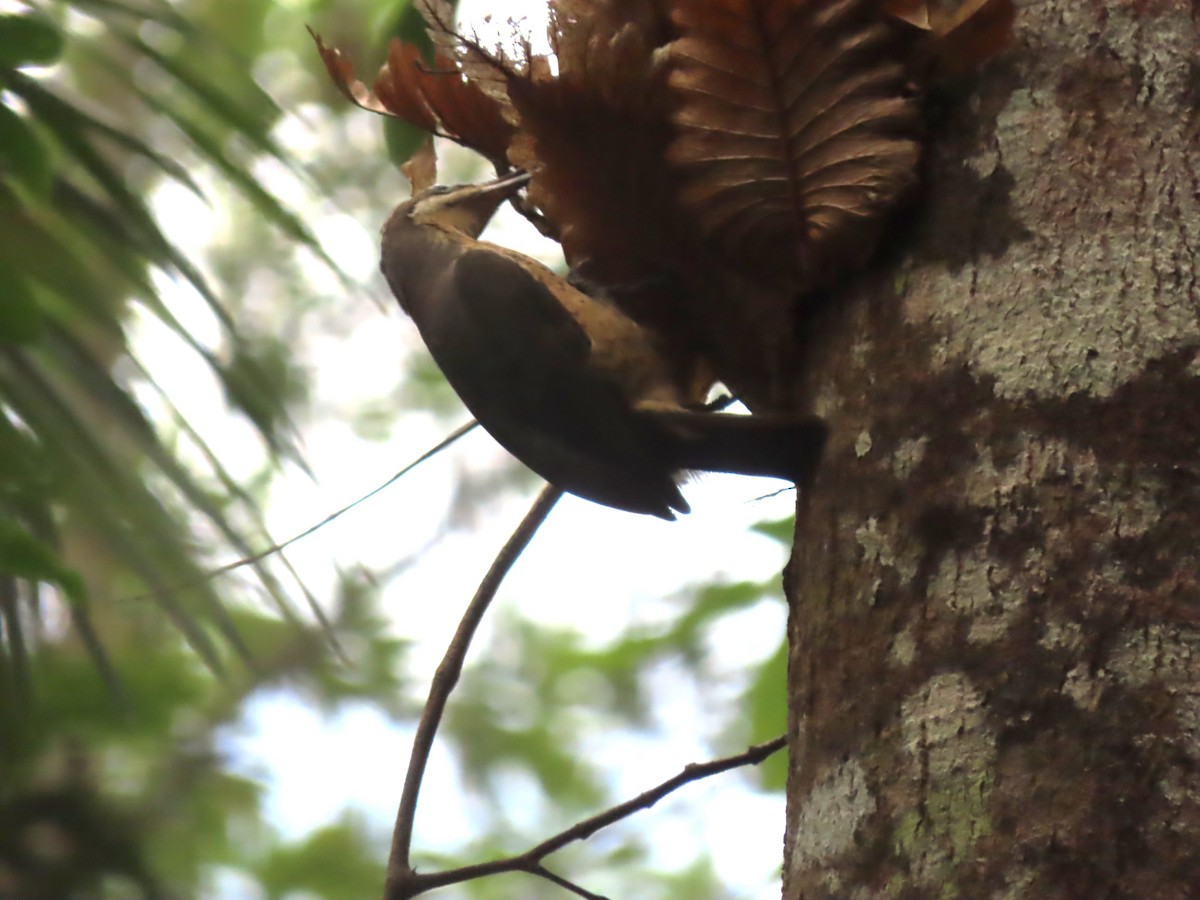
<point>491,18</point>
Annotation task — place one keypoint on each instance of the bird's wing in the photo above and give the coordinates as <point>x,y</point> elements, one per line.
<point>555,406</point>
<point>540,352</point>
<point>508,300</point>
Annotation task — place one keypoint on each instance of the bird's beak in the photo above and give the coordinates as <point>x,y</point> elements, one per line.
<point>470,208</point>
<point>507,184</point>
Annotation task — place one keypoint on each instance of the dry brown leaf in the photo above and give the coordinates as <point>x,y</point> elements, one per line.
<point>421,168</point>
<point>795,131</point>
<point>439,100</point>
<point>463,113</point>
<point>593,136</point>
<point>702,161</point>
<point>971,35</point>
<point>914,12</point>
<point>486,69</point>
<point>573,22</point>
<point>958,39</point>
<point>398,87</point>
<point>341,73</point>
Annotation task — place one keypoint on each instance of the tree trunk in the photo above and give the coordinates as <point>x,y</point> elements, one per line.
<point>995,593</point>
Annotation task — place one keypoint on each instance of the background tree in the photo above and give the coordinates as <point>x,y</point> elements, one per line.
<point>993,646</point>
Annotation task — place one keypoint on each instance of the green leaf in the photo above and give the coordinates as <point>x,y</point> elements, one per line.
<point>239,114</point>
<point>28,40</point>
<point>403,139</point>
<point>337,862</point>
<point>21,319</point>
<point>403,20</point>
<point>263,380</point>
<point>96,484</point>
<point>766,705</point>
<point>119,136</point>
<point>156,12</point>
<point>73,129</point>
<point>23,555</point>
<point>704,609</point>
<point>22,153</point>
<point>780,530</point>
<point>54,260</point>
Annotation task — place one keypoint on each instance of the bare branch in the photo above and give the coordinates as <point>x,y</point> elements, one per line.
<point>691,772</point>
<point>531,860</point>
<point>402,881</point>
<point>566,885</point>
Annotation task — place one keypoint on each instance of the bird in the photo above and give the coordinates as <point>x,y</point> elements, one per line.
<point>564,380</point>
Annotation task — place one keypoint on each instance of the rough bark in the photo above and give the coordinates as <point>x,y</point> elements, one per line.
<point>995,631</point>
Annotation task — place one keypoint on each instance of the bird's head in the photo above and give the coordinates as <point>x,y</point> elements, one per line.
<point>464,208</point>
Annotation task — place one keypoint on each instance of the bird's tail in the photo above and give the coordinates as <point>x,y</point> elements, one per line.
<point>773,444</point>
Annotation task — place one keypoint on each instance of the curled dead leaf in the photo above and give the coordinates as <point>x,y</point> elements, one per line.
<point>593,133</point>
<point>486,69</point>
<point>439,100</point>
<point>341,73</point>
<point>459,110</point>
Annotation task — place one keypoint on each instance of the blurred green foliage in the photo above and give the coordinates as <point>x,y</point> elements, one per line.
<point>121,664</point>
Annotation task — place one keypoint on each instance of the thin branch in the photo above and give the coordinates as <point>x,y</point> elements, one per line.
<point>531,860</point>
<point>751,756</point>
<point>543,872</point>
<point>277,548</point>
<point>783,490</point>
<point>402,881</point>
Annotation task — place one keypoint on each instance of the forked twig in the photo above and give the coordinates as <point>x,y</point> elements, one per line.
<point>402,881</point>
<point>531,860</point>
<point>691,772</point>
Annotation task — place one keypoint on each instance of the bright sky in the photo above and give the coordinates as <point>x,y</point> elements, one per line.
<point>590,568</point>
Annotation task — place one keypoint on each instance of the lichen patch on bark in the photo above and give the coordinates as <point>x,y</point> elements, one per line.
<point>950,751</point>
<point>862,446</point>
<point>1156,652</point>
<point>828,818</point>
<point>987,592</point>
<point>877,550</point>
<point>908,456</point>
<point>1052,319</point>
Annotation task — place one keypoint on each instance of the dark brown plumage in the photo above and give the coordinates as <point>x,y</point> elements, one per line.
<point>566,382</point>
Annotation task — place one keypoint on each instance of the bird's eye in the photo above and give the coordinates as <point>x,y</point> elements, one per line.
<point>438,189</point>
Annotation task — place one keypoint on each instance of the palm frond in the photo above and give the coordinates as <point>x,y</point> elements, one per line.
<point>78,243</point>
